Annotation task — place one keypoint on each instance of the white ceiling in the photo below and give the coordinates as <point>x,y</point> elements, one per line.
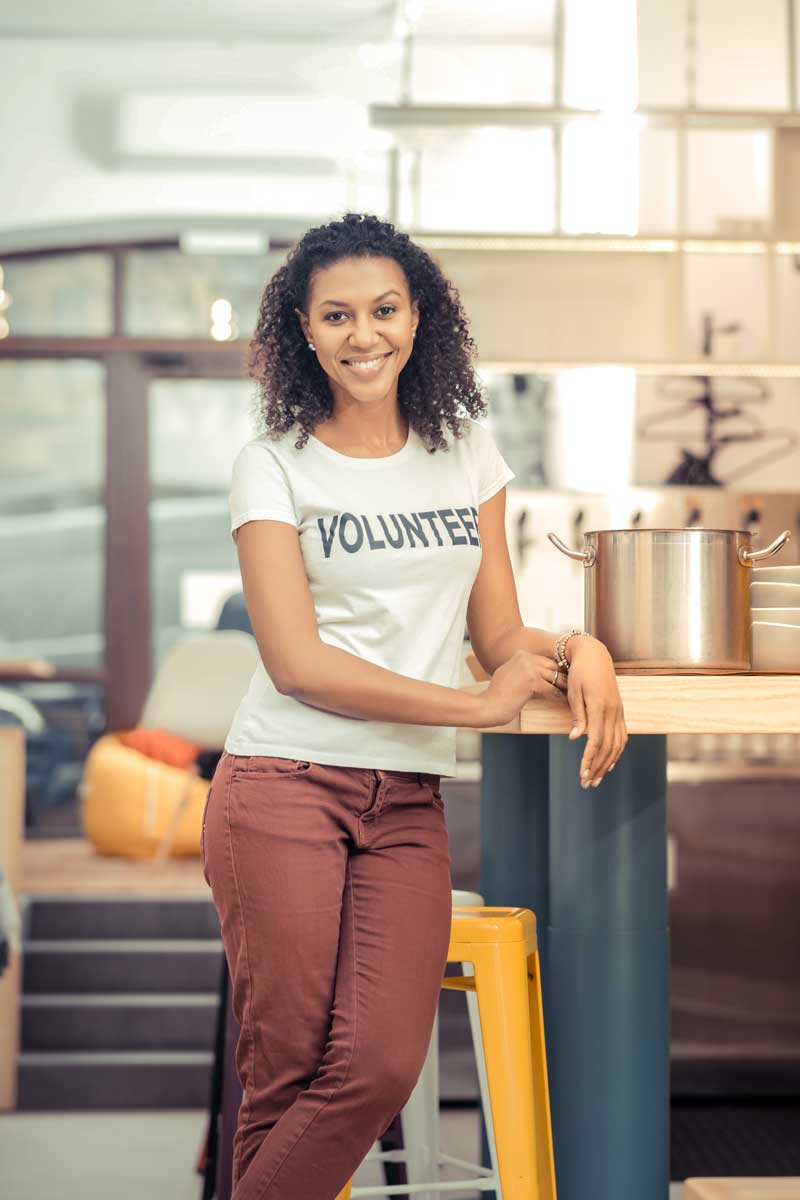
<point>358,20</point>
<point>312,20</point>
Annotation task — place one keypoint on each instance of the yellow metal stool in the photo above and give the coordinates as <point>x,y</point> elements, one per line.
<point>501,945</point>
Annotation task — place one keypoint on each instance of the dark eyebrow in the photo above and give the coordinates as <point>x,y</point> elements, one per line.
<point>344,304</point>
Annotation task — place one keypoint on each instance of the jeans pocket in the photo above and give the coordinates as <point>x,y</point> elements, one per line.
<point>268,766</point>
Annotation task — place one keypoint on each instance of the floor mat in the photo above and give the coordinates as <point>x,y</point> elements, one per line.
<point>743,1138</point>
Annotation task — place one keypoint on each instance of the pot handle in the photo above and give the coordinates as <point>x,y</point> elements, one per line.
<point>747,557</point>
<point>587,557</point>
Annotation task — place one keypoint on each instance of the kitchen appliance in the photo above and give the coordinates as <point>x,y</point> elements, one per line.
<point>670,601</point>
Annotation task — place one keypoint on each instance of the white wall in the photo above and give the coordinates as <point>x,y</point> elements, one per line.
<point>567,305</point>
<point>56,122</point>
<point>739,56</point>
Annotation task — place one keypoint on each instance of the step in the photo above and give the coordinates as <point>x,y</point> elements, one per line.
<point>57,1081</point>
<point>122,1021</point>
<point>121,965</point>
<point>114,916</point>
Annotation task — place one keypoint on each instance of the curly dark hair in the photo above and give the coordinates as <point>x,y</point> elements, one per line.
<point>439,382</point>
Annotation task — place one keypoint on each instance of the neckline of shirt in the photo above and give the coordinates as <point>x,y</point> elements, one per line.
<point>364,463</point>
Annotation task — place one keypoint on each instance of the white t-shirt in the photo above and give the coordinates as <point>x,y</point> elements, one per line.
<point>391,550</point>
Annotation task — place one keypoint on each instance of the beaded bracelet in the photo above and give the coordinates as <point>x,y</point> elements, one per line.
<point>561,646</point>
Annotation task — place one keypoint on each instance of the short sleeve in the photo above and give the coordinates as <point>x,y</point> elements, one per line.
<point>493,472</point>
<point>260,489</point>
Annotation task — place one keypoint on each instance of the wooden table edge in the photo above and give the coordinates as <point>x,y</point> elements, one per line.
<point>750,703</point>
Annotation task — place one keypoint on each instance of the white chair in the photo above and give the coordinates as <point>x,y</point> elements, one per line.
<point>199,684</point>
<point>195,693</point>
<point>420,1118</point>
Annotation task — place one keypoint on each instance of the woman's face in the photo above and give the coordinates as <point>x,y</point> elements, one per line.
<point>362,322</point>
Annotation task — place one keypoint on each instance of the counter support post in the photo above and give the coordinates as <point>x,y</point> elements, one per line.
<point>606,990</point>
<point>514,825</point>
<point>592,865</point>
<point>514,822</point>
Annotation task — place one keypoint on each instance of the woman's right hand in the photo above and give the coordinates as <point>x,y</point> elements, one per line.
<point>515,682</point>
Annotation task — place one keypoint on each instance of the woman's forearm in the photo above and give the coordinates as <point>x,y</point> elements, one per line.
<point>341,682</point>
<point>523,637</point>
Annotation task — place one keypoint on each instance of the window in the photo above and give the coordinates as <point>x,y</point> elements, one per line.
<point>60,296</point>
<point>52,515</point>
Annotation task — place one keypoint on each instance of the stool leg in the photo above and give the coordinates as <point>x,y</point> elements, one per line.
<point>420,1121</point>
<point>344,1194</point>
<point>483,1083</point>
<point>501,977</point>
<point>545,1160</point>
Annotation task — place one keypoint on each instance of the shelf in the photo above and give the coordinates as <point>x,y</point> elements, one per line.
<point>688,367</point>
<point>612,243</point>
<point>409,118</point>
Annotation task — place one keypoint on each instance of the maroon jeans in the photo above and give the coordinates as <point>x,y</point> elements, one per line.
<point>333,889</point>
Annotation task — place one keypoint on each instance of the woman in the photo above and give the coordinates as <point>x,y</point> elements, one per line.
<point>367,540</point>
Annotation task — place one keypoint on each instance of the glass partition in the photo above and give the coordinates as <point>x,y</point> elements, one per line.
<point>197,427</point>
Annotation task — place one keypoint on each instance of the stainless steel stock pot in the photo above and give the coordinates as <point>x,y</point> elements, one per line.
<point>670,601</point>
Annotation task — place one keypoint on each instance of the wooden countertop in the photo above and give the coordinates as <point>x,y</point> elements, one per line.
<point>680,704</point>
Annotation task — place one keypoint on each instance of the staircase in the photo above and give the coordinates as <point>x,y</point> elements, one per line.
<point>119,1002</point>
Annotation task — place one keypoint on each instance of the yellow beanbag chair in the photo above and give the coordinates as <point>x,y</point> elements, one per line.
<point>134,806</point>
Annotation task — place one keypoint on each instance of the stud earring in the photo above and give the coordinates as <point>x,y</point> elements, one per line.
<point>311,346</point>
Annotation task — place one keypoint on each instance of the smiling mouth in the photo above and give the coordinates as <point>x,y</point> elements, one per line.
<point>367,366</point>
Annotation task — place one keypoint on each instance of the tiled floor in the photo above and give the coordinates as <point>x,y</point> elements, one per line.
<point>147,1155</point>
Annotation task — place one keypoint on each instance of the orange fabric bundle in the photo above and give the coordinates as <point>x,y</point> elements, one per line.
<point>166,747</point>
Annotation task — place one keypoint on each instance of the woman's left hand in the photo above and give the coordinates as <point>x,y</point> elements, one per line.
<point>596,706</point>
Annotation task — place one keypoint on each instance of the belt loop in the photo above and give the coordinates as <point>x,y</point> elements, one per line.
<point>419,777</point>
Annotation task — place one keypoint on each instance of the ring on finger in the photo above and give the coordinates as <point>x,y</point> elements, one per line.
<point>555,679</point>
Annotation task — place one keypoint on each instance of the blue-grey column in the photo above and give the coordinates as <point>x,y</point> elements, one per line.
<point>515,835</point>
<point>606,983</point>
<point>515,822</point>
<point>592,866</point>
